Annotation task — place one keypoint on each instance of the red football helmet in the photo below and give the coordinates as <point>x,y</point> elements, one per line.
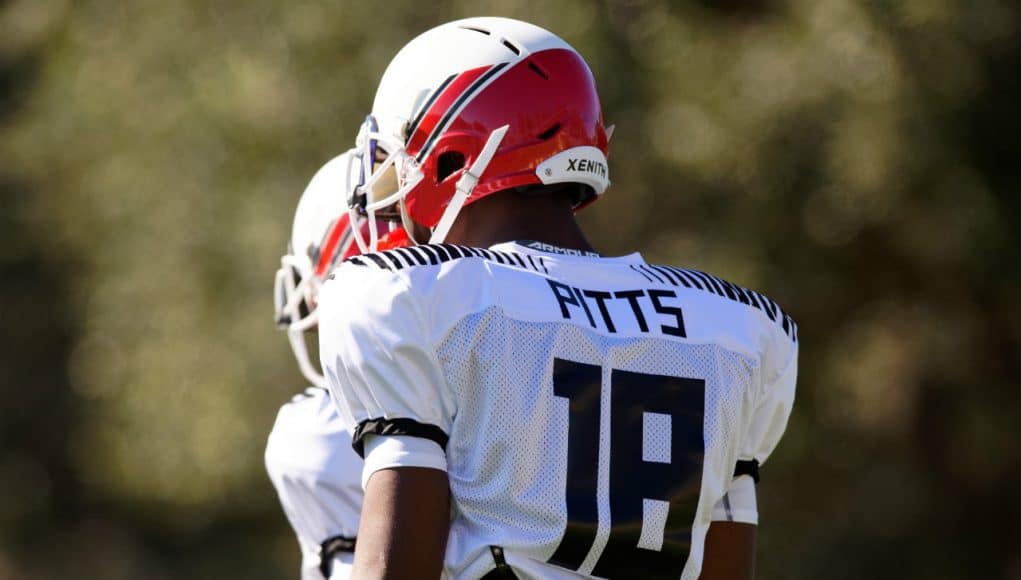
<point>477,106</point>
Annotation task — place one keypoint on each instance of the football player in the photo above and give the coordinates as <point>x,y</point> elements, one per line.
<point>308,455</point>
<point>526,407</point>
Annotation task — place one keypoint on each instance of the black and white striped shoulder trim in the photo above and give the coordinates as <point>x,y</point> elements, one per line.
<point>434,254</point>
<point>709,283</point>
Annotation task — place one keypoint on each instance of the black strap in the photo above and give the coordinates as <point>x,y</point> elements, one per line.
<point>401,426</point>
<point>503,571</point>
<point>330,548</point>
<point>747,467</point>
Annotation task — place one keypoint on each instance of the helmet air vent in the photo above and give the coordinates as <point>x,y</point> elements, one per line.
<point>476,29</point>
<point>510,46</point>
<point>535,68</point>
<point>549,132</point>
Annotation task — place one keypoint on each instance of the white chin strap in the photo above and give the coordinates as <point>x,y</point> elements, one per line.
<point>466,184</point>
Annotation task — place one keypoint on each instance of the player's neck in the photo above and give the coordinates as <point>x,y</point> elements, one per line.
<point>506,217</point>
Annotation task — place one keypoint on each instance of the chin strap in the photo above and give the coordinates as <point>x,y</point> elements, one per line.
<point>466,184</point>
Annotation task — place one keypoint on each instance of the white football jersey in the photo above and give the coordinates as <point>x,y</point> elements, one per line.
<point>590,412</point>
<point>317,477</point>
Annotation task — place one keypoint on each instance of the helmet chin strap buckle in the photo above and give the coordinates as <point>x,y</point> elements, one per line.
<point>466,184</point>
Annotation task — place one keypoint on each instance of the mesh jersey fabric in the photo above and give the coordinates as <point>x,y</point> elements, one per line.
<point>592,410</point>
<point>317,477</point>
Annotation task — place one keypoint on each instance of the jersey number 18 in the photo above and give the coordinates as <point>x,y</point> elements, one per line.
<point>655,471</point>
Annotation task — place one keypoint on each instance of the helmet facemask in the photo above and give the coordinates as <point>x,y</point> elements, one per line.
<point>294,292</point>
<point>388,173</point>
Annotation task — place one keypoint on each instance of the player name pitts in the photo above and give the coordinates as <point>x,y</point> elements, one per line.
<point>576,303</point>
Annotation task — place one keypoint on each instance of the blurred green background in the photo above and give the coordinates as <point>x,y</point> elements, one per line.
<point>857,160</point>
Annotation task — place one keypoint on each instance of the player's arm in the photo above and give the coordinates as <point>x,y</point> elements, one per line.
<point>404,524</point>
<point>730,543</point>
<point>729,551</point>
<point>379,361</point>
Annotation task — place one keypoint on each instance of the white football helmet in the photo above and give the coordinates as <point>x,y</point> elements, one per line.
<point>473,107</point>
<point>321,238</point>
